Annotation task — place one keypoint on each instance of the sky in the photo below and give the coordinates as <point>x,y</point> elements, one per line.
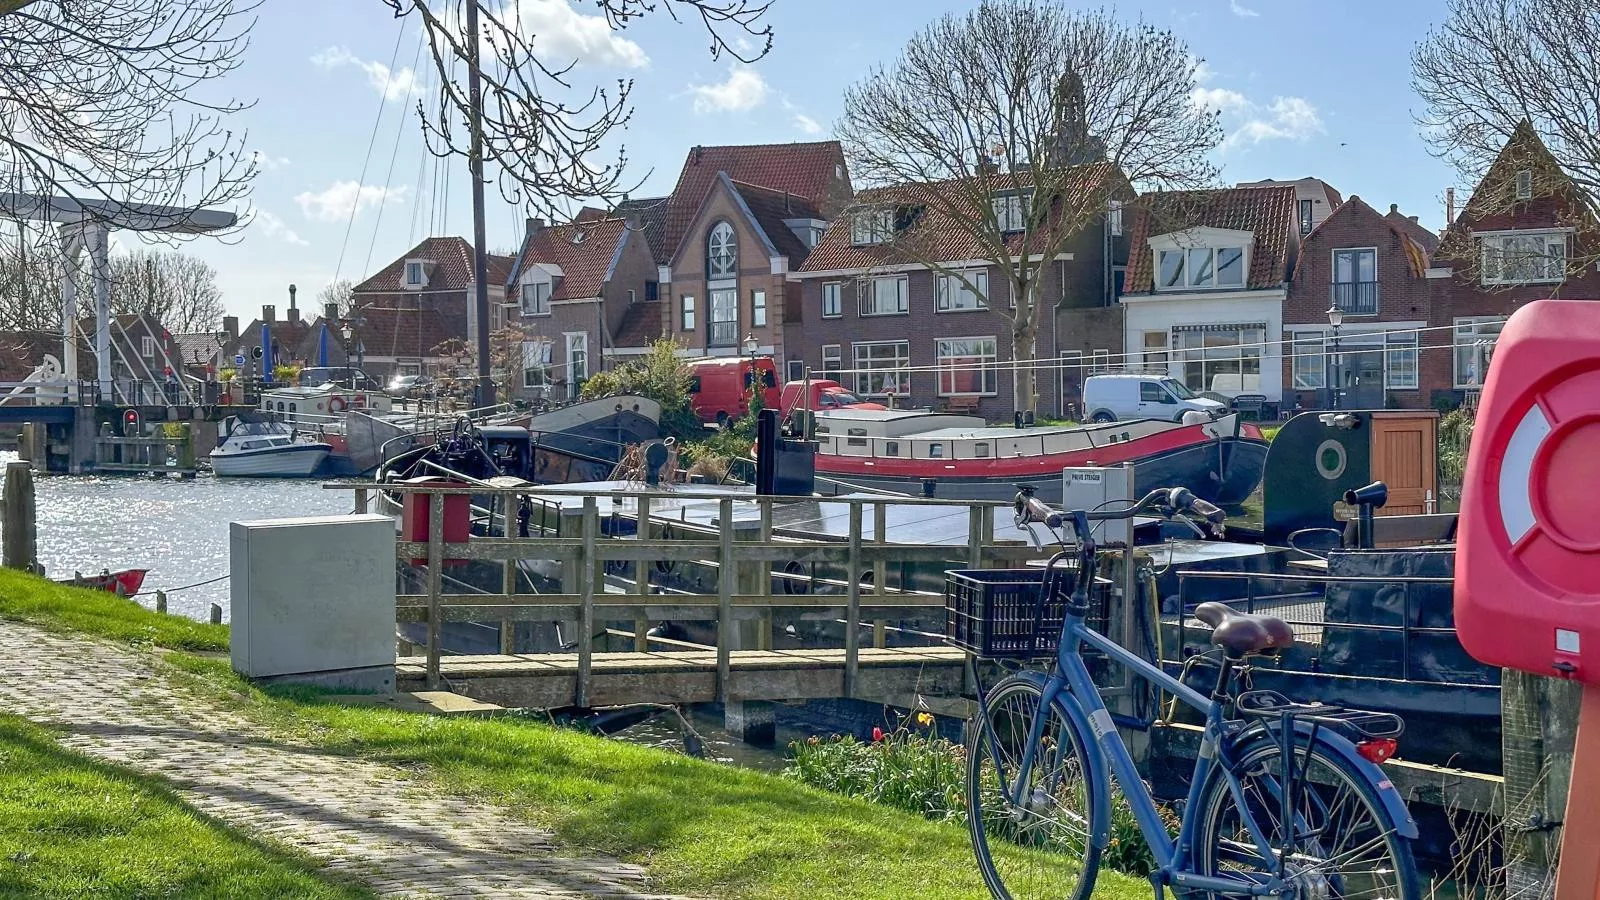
<point>1305,89</point>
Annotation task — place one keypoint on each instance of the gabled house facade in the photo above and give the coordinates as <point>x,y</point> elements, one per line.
<point>583,296</point>
<point>1208,273</point>
<point>886,325</point>
<point>1372,268</point>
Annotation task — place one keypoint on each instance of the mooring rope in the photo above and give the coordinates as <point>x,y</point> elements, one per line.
<point>183,588</point>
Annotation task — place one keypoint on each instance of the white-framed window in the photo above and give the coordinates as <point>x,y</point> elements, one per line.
<point>758,309</point>
<point>722,252</point>
<point>1100,360</point>
<point>536,363</point>
<point>1200,267</point>
<point>577,360</point>
<point>967,365</point>
<point>832,361</point>
<point>1400,361</point>
<point>1310,366</point>
<point>1114,218</point>
<point>951,295</point>
<point>1010,211</point>
<point>796,370</point>
<point>1222,358</point>
<point>724,315</point>
<point>884,295</point>
<point>686,312</point>
<point>536,298</point>
<point>1524,258</point>
<point>416,274</point>
<point>403,368</point>
<point>881,368</point>
<point>831,307</point>
<point>871,226</point>
<point>1474,343</point>
<point>1307,216</point>
<point>1524,187</point>
<point>147,347</point>
<point>1155,350</point>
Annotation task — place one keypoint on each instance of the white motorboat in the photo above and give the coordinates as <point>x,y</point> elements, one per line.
<point>253,447</point>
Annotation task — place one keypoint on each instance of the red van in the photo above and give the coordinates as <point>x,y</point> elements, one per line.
<point>719,389</point>
<point>825,395</point>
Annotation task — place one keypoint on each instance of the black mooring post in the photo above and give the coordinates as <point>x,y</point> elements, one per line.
<point>767,452</point>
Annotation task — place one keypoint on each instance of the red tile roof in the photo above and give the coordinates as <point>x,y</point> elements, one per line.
<point>804,170</point>
<point>1267,212</point>
<point>641,325</point>
<point>1413,229</point>
<point>1400,226</point>
<point>934,233</point>
<point>770,209</point>
<point>406,331</point>
<point>583,250</point>
<point>452,271</point>
<point>651,214</point>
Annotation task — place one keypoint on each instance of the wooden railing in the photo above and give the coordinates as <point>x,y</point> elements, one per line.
<point>745,568</point>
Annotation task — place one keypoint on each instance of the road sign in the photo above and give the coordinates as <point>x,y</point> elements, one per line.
<point>238,359</point>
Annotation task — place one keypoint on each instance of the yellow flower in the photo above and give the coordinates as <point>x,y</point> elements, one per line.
<point>924,719</point>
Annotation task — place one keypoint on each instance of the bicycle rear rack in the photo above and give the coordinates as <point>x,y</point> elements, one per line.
<point>1363,725</point>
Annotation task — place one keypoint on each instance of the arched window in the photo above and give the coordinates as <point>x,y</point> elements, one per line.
<point>722,252</point>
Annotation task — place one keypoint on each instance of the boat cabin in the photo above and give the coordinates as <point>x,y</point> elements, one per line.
<point>921,435</point>
<point>309,407</point>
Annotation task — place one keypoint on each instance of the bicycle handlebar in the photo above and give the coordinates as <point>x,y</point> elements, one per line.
<point>1166,502</point>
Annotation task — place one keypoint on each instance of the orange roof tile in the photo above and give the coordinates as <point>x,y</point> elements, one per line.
<point>1267,212</point>
<point>805,170</point>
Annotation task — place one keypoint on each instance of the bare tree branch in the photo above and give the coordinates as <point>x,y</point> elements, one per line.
<point>1064,111</point>
<point>341,294</point>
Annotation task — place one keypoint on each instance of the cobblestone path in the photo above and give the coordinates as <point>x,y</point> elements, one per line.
<point>364,819</point>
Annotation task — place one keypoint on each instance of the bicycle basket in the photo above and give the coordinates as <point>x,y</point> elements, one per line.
<point>994,613</point>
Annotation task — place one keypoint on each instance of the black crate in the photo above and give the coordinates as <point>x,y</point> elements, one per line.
<point>994,613</point>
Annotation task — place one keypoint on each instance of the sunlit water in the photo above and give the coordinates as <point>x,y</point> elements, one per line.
<point>176,529</point>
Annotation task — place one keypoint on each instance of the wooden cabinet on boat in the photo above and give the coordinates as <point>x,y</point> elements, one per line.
<point>1405,457</point>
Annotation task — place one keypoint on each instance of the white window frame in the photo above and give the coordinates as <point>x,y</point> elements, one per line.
<point>1155,356</point>
<point>536,297</point>
<point>1100,360</point>
<point>1523,188</point>
<point>796,370</point>
<point>758,308</point>
<point>1114,218</point>
<point>832,295</point>
<point>951,295</point>
<point>1309,349</point>
<point>833,353</point>
<point>730,244</point>
<point>867,296</point>
<point>987,366</point>
<point>871,226</point>
<point>1246,349</point>
<point>577,341</point>
<point>1187,268</point>
<point>866,367</point>
<point>1396,344</point>
<point>414,275</point>
<point>1308,216</point>
<point>686,313</point>
<point>536,358</point>
<point>1492,256</point>
<point>1010,211</point>
<point>1468,334</point>
<point>729,298</point>
<point>147,347</point>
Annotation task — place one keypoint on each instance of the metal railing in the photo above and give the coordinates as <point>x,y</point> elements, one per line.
<point>723,334</point>
<point>1358,298</point>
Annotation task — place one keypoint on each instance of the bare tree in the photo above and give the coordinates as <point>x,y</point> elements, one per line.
<point>1513,81</point>
<point>341,294</point>
<point>547,137</point>
<point>30,279</point>
<point>180,291</point>
<point>1013,127</point>
<point>102,101</point>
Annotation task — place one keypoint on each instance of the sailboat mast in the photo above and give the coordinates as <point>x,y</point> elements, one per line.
<point>480,260</point>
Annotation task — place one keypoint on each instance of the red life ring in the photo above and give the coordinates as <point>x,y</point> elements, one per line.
<point>336,403</point>
<point>360,401</point>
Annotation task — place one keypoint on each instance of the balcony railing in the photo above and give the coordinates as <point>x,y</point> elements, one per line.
<point>1358,298</point>
<point>724,334</point>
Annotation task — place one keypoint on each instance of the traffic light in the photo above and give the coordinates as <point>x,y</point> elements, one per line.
<point>132,424</point>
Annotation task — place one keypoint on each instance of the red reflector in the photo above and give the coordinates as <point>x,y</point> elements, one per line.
<point>1378,751</point>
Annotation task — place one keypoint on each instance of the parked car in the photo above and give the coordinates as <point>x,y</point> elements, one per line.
<point>720,388</point>
<point>1108,398</point>
<point>344,376</point>
<point>825,395</point>
<point>406,387</point>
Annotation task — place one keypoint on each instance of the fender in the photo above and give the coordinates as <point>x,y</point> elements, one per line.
<point>1099,779</point>
<point>1388,794</point>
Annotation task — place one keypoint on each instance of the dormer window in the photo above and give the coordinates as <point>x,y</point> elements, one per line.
<point>1010,211</point>
<point>871,226</point>
<point>1524,258</point>
<point>1524,185</point>
<point>1200,267</point>
<point>538,284</point>
<point>416,274</point>
<point>722,252</point>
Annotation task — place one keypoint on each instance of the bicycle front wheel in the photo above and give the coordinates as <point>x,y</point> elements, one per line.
<point>1342,844</point>
<point>1041,847</point>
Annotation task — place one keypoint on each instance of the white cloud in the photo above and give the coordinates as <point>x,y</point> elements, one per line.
<point>274,227</point>
<point>268,162</point>
<point>396,85</point>
<point>744,90</point>
<point>807,124</point>
<point>1288,118</point>
<point>336,203</point>
<point>1202,71</point>
<point>1220,99</point>
<point>1243,12</point>
<point>557,29</point>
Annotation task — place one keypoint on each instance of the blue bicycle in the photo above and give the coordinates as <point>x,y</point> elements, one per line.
<point>1287,800</point>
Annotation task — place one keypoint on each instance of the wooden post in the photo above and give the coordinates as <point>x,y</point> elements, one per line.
<point>161,602</point>
<point>975,516</point>
<point>1579,878</point>
<point>361,500</point>
<point>435,585</point>
<point>852,623</point>
<point>641,575</point>
<point>724,594</point>
<point>880,573</point>
<point>508,587</point>
<point>216,613</point>
<point>186,448</point>
<point>764,629</point>
<point>1538,730</point>
<point>586,566</point>
<point>20,529</point>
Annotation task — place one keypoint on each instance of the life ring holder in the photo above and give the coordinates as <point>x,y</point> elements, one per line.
<point>336,403</point>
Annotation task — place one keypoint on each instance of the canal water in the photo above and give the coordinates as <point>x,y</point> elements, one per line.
<point>176,529</point>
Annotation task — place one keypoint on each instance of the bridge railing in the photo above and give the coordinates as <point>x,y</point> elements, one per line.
<point>740,543</point>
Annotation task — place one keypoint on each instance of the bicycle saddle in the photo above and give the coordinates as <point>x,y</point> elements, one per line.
<point>1241,634</point>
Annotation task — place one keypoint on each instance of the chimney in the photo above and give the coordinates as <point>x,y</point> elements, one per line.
<point>1449,206</point>
<point>694,155</point>
<point>330,312</point>
<point>293,314</point>
<point>230,324</point>
<point>269,313</point>
<point>1394,208</point>
<point>1413,220</point>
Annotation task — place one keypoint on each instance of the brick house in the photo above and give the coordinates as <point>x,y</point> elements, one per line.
<point>580,289</point>
<point>291,340</point>
<point>883,324</point>
<point>1514,242</point>
<point>1207,278</point>
<point>420,302</point>
<point>1314,200</point>
<point>1372,267</point>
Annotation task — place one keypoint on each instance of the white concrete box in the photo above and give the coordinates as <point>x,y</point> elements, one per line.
<point>313,600</point>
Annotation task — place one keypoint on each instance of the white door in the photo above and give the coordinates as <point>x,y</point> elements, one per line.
<point>577,362</point>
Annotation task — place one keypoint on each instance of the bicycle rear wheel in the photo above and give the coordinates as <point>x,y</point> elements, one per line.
<point>1344,844</point>
<point>1042,847</point>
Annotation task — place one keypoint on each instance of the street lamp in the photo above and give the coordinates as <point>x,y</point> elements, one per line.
<point>1335,319</point>
<point>352,341</point>
<point>750,346</point>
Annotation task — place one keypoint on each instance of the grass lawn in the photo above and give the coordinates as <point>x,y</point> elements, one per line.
<point>71,827</point>
<point>701,828</point>
<point>62,608</point>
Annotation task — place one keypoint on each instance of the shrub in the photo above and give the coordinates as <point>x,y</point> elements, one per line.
<point>1455,438</point>
<point>660,375</point>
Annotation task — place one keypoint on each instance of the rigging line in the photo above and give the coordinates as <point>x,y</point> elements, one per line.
<point>383,101</point>
<point>422,169</point>
<point>388,178</point>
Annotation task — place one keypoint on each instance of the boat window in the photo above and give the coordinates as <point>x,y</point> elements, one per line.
<point>1178,389</point>
<point>891,448</point>
<point>856,441</point>
<point>252,445</point>
<point>980,449</point>
<point>294,407</point>
<point>935,451</point>
<point>856,432</point>
<point>280,406</point>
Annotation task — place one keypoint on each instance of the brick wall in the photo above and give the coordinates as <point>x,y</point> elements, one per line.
<point>754,273</point>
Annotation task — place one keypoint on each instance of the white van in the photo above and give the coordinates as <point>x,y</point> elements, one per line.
<point>1107,398</point>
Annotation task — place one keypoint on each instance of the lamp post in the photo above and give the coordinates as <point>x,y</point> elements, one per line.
<point>352,341</point>
<point>750,346</point>
<point>1335,319</point>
